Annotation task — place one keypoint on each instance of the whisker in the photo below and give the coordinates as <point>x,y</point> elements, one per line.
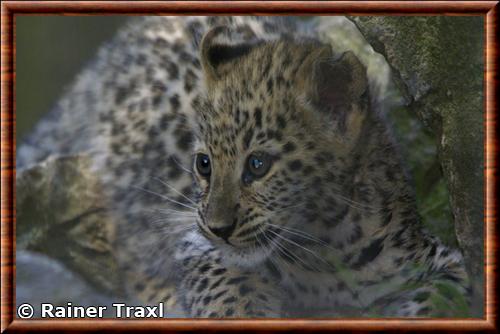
<point>302,247</point>
<point>268,249</point>
<point>180,165</point>
<point>165,198</point>
<point>172,210</point>
<point>170,231</point>
<point>354,204</point>
<point>285,251</point>
<point>175,190</point>
<point>171,223</point>
<point>289,207</point>
<point>323,260</point>
<point>168,213</point>
<point>302,234</point>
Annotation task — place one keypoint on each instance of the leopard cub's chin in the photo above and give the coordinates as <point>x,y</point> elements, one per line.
<point>242,257</point>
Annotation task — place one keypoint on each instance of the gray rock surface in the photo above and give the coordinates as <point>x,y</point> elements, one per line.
<point>40,279</point>
<point>60,213</point>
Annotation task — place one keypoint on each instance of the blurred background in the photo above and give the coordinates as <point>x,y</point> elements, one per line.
<point>50,51</point>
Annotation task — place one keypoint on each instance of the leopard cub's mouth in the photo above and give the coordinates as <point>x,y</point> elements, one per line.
<point>239,249</point>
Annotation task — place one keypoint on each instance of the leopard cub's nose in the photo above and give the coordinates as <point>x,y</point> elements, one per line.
<point>223,232</point>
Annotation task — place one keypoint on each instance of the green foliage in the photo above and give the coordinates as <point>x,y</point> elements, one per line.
<point>449,300</point>
<point>419,147</point>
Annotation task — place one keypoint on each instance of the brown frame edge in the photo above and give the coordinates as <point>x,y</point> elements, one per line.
<point>11,8</point>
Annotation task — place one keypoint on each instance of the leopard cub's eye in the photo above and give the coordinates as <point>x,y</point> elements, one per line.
<point>258,164</point>
<point>203,165</point>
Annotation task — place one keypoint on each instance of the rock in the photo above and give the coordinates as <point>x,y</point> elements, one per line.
<point>437,64</point>
<point>35,278</point>
<point>61,214</point>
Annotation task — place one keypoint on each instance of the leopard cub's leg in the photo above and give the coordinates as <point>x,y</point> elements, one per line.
<point>209,289</point>
<point>442,290</point>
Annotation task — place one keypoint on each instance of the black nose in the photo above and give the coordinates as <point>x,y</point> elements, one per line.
<point>223,232</point>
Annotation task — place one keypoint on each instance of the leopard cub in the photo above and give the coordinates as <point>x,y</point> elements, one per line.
<point>250,174</point>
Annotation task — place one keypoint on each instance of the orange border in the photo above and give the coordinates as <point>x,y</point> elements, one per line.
<point>11,8</point>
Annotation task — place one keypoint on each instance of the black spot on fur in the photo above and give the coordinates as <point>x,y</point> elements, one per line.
<point>174,102</point>
<point>189,80</point>
<point>289,147</point>
<point>357,235</point>
<point>295,165</point>
<point>229,300</point>
<point>203,285</point>
<point>270,85</point>
<point>236,280</point>
<point>219,54</point>
<point>247,138</point>
<point>244,290</point>
<point>219,271</point>
<point>203,269</point>
<point>278,135</point>
<point>121,94</point>
<point>369,253</point>
<point>258,117</point>
<point>219,294</point>
<point>281,122</point>
<point>173,71</point>
<point>262,297</point>
<point>157,100</point>
<point>184,141</point>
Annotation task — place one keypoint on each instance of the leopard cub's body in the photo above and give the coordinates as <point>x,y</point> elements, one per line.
<point>249,174</point>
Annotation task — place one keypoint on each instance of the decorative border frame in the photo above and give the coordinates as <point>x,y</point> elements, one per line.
<point>10,9</point>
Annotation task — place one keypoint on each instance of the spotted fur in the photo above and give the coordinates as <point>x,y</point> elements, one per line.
<point>331,229</point>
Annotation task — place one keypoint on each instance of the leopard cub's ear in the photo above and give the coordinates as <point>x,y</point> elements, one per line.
<point>334,86</point>
<point>221,45</point>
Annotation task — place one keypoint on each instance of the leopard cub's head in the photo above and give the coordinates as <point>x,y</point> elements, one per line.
<point>274,135</point>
